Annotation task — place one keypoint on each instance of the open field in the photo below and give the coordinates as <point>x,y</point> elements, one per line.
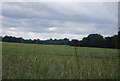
<point>30,61</point>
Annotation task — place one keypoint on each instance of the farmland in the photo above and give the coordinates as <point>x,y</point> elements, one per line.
<point>37,61</point>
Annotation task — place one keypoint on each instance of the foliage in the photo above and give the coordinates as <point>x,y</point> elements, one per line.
<point>92,40</point>
<point>111,42</point>
<point>119,39</point>
<point>74,42</point>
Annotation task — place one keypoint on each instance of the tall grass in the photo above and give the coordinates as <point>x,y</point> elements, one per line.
<point>30,61</point>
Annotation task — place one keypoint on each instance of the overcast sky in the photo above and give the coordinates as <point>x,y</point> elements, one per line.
<point>73,20</point>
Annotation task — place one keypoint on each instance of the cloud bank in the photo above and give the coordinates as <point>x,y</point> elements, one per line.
<point>73,20</point>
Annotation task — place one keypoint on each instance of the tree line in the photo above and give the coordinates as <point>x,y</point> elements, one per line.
<point>92,40</point>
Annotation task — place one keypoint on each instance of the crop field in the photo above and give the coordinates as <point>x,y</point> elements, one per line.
<point>37,61</point>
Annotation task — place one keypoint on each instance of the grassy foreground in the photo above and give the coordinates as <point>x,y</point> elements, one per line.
<point>30,61</point>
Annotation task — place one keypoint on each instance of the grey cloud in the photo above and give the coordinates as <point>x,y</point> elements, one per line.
<point>39,10</point>
<point>70,18</point>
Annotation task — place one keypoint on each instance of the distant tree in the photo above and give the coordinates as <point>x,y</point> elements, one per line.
<point>66,41</point>
<point>119,39</point>
<point>29,41</point>
<point>11,39</point>
<point>1,38</point>
<point>74,42</point>
<point>19,40</point>
<point>93,40</point>
<point>51,39</point>
<point>36,41</point>
<point>111,42</point>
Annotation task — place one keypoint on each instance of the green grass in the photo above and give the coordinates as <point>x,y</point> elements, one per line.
<point>30,61</point>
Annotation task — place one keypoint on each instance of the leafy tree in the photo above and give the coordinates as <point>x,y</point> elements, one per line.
<point>12,39</point>
<point>111,42</point>
<point>119,39</point>
<point>93,40</point>
<point>66,41</point>
<point>1,38</point>
<point>74,42</point>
